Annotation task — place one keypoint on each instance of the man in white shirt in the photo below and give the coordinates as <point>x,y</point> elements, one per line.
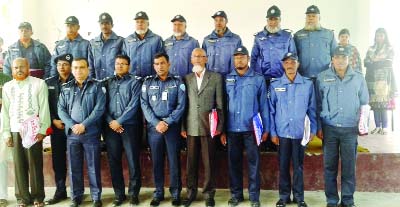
<point>25,97</point>
<point>205,92</point>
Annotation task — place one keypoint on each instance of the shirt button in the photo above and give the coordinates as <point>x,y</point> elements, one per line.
<point>103,69</point>
<point>341,108</point>
<point>312,58</point>
<point>117,102</point>
<point>290,102</point>
<point>291,119</point>
<point>238,112</point>
<point>216,54</point>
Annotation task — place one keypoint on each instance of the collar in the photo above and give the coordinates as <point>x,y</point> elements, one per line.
<point>265,31</point>
<point>148,34</point>
<point>185,37</point>
<point>201,74</point>
<point>124,77</point>
<point>227,33</point>
<point>100,39</point>
<point>70,77</point>
<point>349,72</point>
<point>298,79</point>
<point>170,76</point>
<point>31,44</point>
<point>78,38</point>
<point>250,72</point>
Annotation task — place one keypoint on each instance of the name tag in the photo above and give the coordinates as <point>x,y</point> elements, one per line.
<point>262,38</point>
<point>154,87</point>
<point>51,87</point>
<point>302,35</point>
<point>230,80</point>
<point>174,86</point>
<point>164,96</point>
<point>169,44</point>
<point>211,41</point>
<point>280,89</point>
<point>329,80</point>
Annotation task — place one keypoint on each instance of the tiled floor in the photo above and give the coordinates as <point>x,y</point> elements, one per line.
<point>268,198</point>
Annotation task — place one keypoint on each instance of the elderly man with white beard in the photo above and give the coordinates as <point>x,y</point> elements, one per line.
<point>315,45</point>
<point>205,93</point>
<point>270,46</point>
<point>141,46</point>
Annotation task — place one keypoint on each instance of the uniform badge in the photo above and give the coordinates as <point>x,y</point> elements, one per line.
<point>144,89</point>
<point>140,14</point>
<point>280,89</point>
<point>218,13</point>
<point>262,38</point>
<point>329,80</point>
<point>182,87</point>
<point>103,89</point>
<point>167,44</point>
<point>104,17</point>
<point>230,80</point>
<point>154,87</point>
<point>154,98</point>
<point>177,17</point>
<point>70,19</point>
<point>273,11</point>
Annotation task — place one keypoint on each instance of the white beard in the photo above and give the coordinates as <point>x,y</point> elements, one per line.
<point>141,32</point>
<point>312,27</point>
<point>273,29</point>
<point>178,34</point>
<point>197,69</point>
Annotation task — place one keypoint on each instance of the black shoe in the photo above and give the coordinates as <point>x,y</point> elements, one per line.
<point>331,205</point>
<point>97,203</point>
<point>176,202</point>
<point>210,202</point>
<point>187,202</point>
<point>255,204</point>
<point>280,203</point>
<point>155,202</point>
<point>56,199</point>
<point>302,204</point>
<point>75,203</point>
<point>134,200</point>
<point>234,201</point>
<point>349,205</point>
<point>118,202</point>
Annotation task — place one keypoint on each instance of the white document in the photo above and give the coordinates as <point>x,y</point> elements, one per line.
<point>306,135</point>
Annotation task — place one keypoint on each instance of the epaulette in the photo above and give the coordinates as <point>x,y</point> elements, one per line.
<point>50,77</point>
<point>148,77</point>
<point>288,30</point>
<point>67,83</point>
<point>273,80</point>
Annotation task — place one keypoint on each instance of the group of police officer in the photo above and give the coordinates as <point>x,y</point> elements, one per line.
<point>103,86</point>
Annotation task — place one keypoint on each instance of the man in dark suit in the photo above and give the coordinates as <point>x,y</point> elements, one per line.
<point>205,92</point>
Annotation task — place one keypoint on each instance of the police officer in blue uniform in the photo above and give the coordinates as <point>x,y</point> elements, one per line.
<point>246,97</point>
<point>292,98</point>
<point>315,45</point>
<point>270,45</point>
<point>123,100</point>
<point>81,107</point>
<point>341,91</point>
<point>73,43</point>
<point>179,47</point>
<point>58,138</point>
<point>220,45</point>
<point>141,46</point>
<point>103,49</point>
<point>36,52</point>
<point>163,103</point>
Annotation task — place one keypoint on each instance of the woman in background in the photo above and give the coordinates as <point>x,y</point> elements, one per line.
<point>380,79</point>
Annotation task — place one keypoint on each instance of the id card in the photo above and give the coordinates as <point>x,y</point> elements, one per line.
<point>164,96</point>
